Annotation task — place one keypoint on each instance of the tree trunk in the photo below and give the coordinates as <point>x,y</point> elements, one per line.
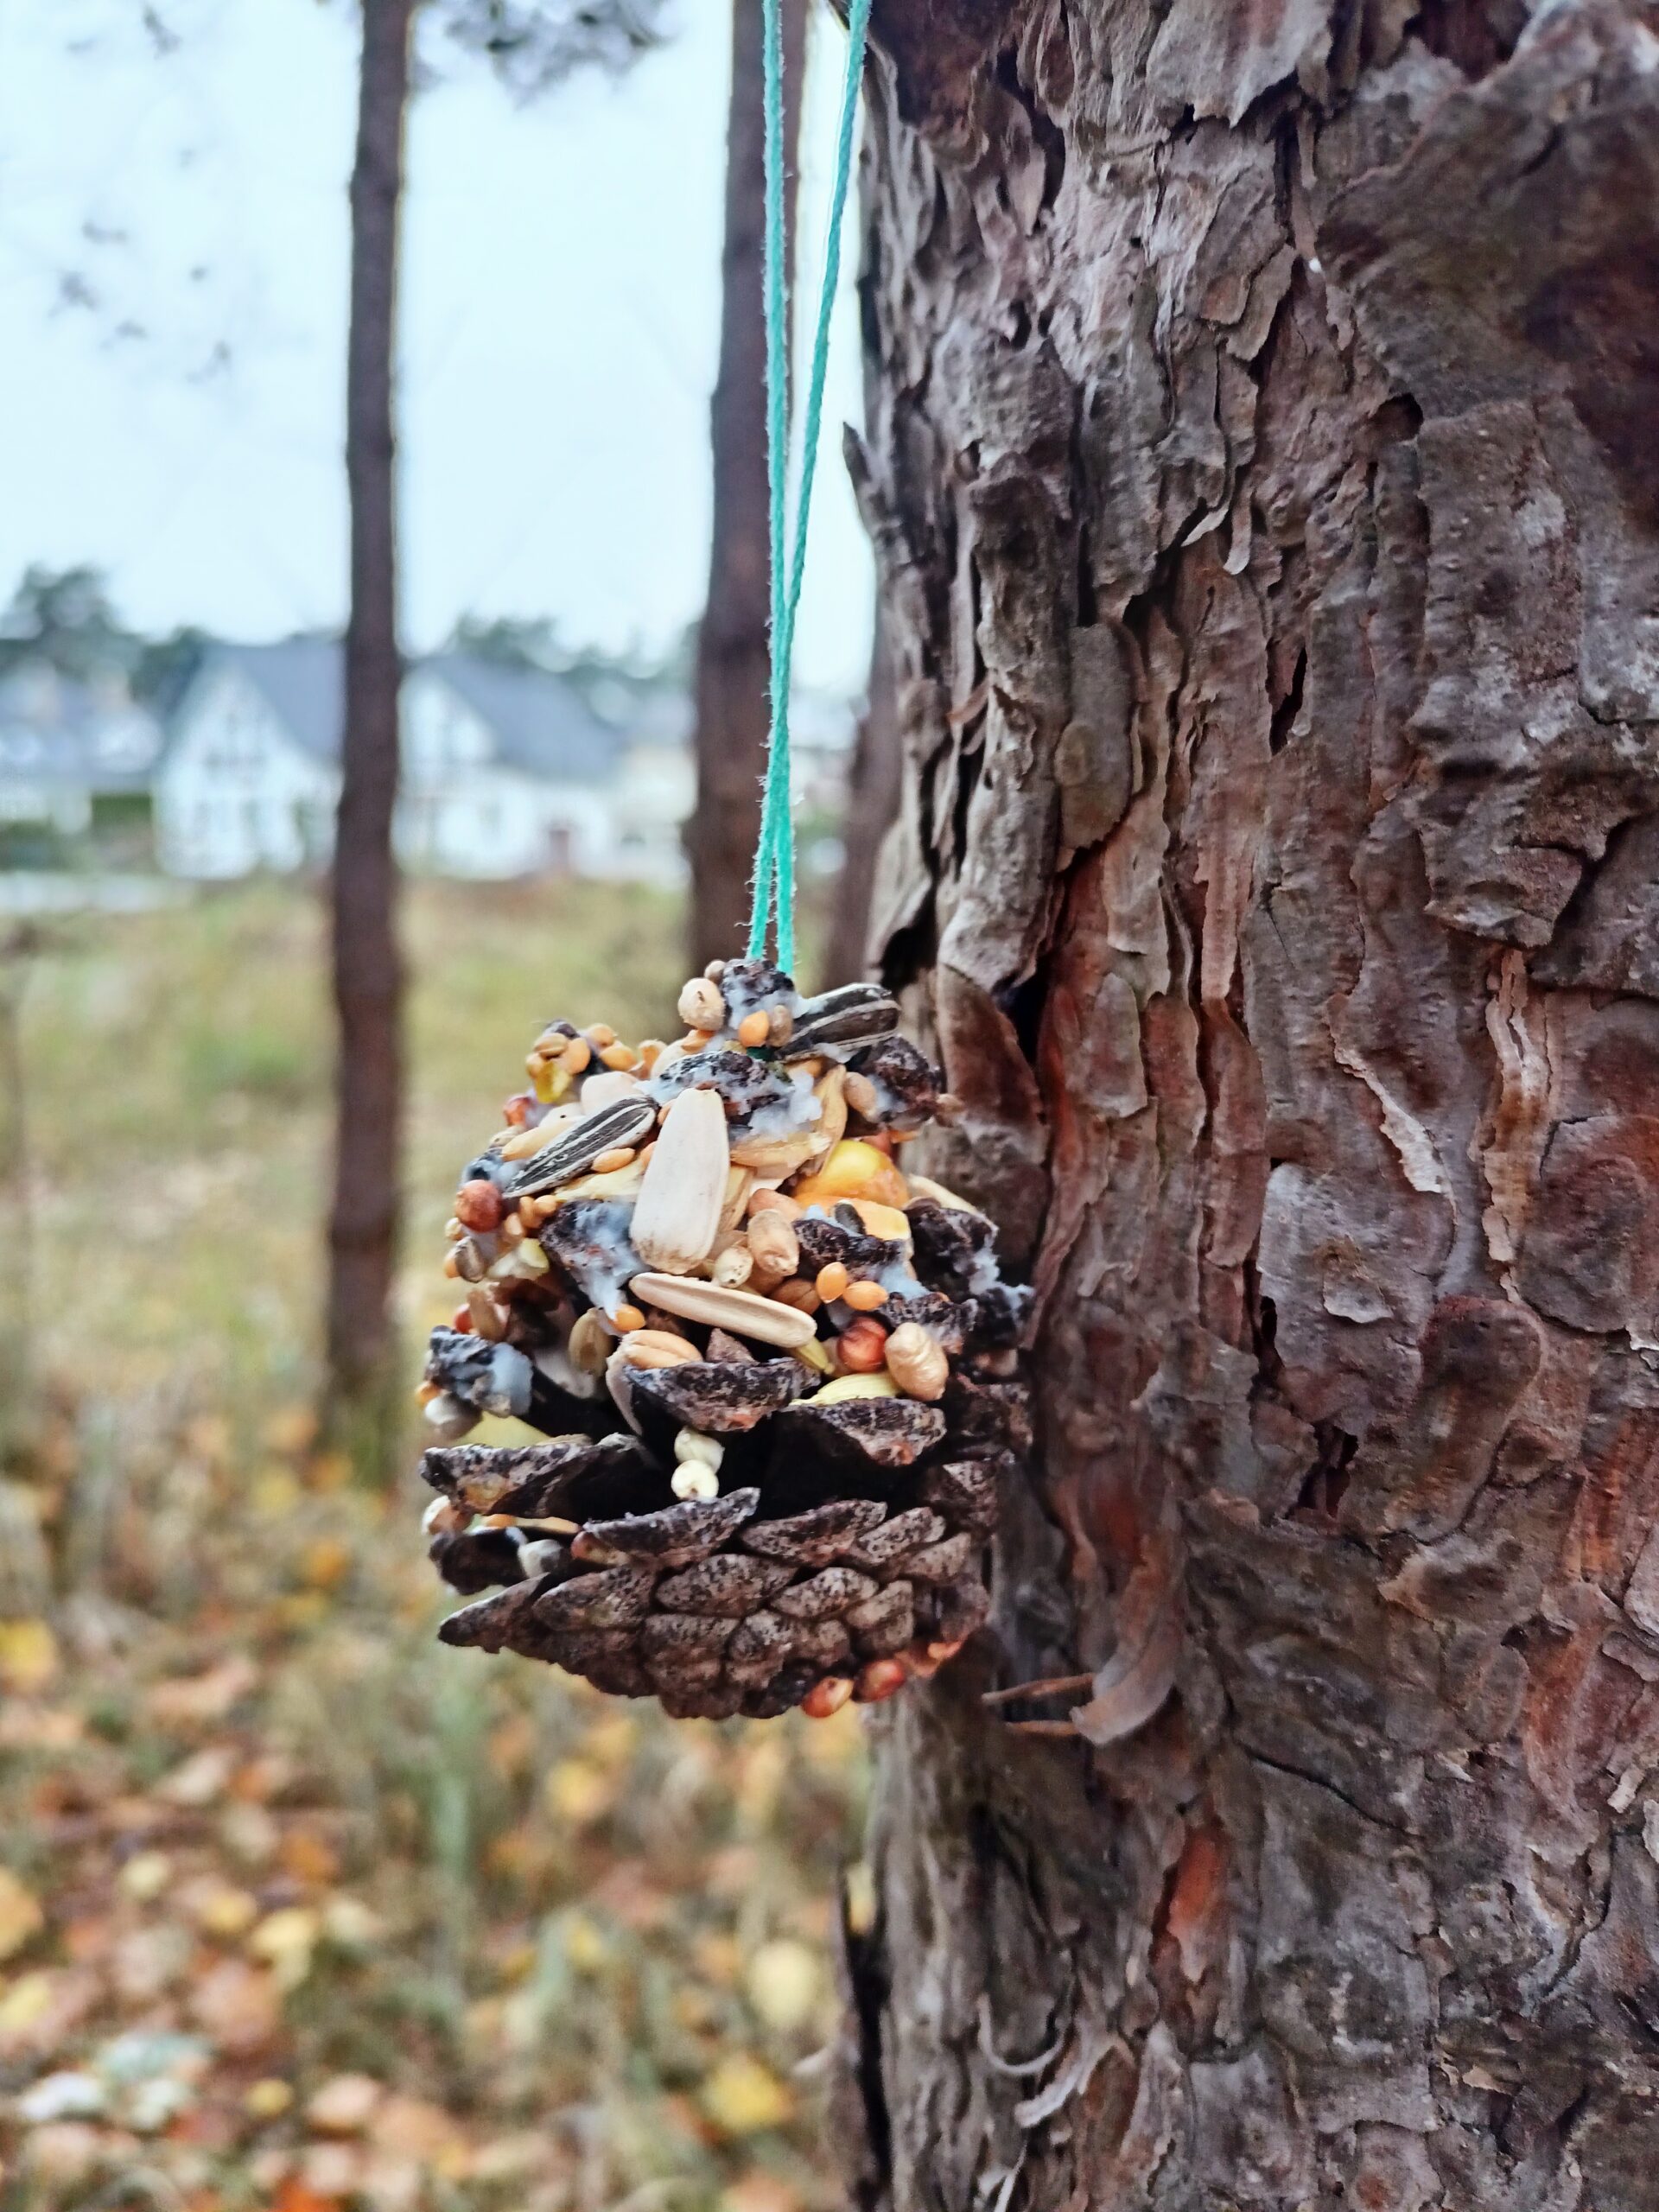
<point>873,786</point>
<point>367,968</point>
<point>731,707</point>
<point>1262,444</point>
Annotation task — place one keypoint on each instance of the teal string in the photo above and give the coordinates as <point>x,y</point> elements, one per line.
<point>774,867</point>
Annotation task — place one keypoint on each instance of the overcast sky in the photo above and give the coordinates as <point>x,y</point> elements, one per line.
<point>173,263</point>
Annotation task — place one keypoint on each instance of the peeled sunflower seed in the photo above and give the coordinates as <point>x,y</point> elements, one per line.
<point>677,1215</point>
<point>741,1311</point>
<point>625,1121</point>
<point>856,1015</point>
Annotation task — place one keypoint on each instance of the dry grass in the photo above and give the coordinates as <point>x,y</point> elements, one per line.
<point>295,1908</point>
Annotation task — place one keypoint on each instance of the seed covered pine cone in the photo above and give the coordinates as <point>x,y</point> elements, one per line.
<point>779,1376</point>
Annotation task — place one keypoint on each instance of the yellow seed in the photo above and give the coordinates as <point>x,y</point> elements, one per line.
<point>622,1058</point>
<point>521,1144</point>
<point>451,1265</point>
<point>864,1296</point>
<point>608,1163</point>
<point>854,1386</point>
<point>650,1050</point>
<point>695,1039</point>
<point>832,1281</point>
<point>512,1227</point>
<point>754,1028</point>
<point>600,1034</point>
<point>886,1221</point>
<point>853,1170</point>
<point>626,1318</point>
<point>578,1057</point>
<point>425,1392</point>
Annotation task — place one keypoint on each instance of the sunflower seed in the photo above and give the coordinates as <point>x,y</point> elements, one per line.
<point>856,1015</point>
<point>625,1121</point>
<point>762,1320</point>
<point>677,1214</point>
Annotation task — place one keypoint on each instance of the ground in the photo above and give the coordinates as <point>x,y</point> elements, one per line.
<point>296,1908</point>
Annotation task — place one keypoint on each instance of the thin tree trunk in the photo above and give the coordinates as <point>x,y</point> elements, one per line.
<point>873,787</point>
<point>367,968</point>
<point>1263,434</point>
<point>732,712</point>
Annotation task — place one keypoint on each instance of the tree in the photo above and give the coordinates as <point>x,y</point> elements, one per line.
<point>733,705</point>
<point>533,44</point>
<point>1262,428</point>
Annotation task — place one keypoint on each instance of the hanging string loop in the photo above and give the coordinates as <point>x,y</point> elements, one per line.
<point>774,860</point>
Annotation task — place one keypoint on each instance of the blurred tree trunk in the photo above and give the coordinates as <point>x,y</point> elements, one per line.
<point>872,790</point>
<point>1262,437</point>
<point>731,707</point>
<point>368,966</point>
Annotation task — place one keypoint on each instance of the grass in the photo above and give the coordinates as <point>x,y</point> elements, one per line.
<point>296,1908</point>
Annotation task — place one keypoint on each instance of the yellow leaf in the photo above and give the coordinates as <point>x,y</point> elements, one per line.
<point>28,1656</point>
<point>146,1875</point>
<point>578,1792</point>
<point>268,2100</point>
<point>21,1918</point>
<point>328,1562</point>
<point>27,2000</point>
<point>286,1940</point>
<point>584,1943</point>
<point>221,1910</point>
<point>784,1983</point>
<point>743,2097</point>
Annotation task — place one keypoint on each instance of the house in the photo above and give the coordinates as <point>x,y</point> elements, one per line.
<point>73,756</point>
<point>507,772</point>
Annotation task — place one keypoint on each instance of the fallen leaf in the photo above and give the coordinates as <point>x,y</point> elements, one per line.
<point>410,2128</point>
<point>345,2105</point>
<point>20,1917</point>
<point>332,2169</point>
<point>309,1858</point>
<point>146,1875</point>
<point>784,1984</point>
<point>193,1701</point>
<point>202,1777</point>
<point>578,1792</point>
<point>759,2192</point>
<point>28,1656</point>
<point>238,2004</point>
<point>743,2097</point>
<point>286,1940</point>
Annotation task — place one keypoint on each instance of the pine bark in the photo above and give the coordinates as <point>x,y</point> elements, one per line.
<point>1261,454</point>
<point>733,679</point>
<point>367,965</point>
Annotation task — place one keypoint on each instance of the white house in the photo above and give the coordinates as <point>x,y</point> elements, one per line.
<point>507,772</point>
<point>65,747</point>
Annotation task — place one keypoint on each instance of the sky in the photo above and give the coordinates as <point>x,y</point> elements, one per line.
<point>173,283</point>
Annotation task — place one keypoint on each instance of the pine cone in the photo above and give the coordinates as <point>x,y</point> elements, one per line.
<point>851,1522</point>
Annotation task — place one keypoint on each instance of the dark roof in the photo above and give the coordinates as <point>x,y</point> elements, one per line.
<point>303,678</point>
<point>539,721</point>
<point>54,730</point>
